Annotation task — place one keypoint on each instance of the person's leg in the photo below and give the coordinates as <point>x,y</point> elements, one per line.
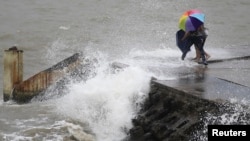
<point>199,43</point>
<point>207,55</point>
<point>203,38</point>
<point>198,54</point>
<point>204,61</point>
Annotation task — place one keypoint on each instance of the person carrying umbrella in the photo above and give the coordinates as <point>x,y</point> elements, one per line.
<point>192,24</point>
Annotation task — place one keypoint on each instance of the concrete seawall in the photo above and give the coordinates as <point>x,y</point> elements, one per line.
<point>181,109</point>
<point>173,114</point>
<point>53,79</point>
<point>174,110</point>
<point>35,85</point>
<point>23,91</point>
<point>169,114</point>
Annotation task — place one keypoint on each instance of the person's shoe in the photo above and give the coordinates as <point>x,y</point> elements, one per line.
<point>205,63</point>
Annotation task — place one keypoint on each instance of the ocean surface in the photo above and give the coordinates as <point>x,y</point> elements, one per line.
<point>140,33</point>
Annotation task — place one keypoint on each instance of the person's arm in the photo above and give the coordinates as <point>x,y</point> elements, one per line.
<point>203,30</point>
<point>185,36</point>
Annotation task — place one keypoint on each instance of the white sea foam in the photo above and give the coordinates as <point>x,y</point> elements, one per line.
<point>106,102</point>
<point>60,130</point>
<point>116,27</point>
<point>64,27</point>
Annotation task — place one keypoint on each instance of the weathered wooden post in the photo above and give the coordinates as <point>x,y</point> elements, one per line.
<point>13,71</point>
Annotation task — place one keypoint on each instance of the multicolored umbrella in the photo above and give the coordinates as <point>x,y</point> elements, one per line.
<point>191,20</point>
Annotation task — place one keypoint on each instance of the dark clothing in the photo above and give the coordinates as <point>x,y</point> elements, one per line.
<point>184,45</point>
<point>199,42</point>
<point>196,38</point>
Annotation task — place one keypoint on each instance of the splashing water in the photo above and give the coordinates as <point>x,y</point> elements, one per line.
<point>234,112</point>
<point>106,102</point>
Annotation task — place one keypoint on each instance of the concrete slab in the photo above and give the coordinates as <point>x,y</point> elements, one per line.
<point>237,71</point>
<point>208,87</point>
<point>181,109</point>
<point>222,79</point>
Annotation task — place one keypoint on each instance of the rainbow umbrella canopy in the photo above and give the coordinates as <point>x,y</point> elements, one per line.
<point>191,20</point>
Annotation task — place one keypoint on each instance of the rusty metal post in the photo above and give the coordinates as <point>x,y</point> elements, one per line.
<point>13,71</point>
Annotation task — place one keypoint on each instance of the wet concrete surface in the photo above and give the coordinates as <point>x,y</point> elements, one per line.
<point>223,79</point>
<point>181,108</point>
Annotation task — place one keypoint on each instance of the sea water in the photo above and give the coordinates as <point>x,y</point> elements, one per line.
<point>140,33</point>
